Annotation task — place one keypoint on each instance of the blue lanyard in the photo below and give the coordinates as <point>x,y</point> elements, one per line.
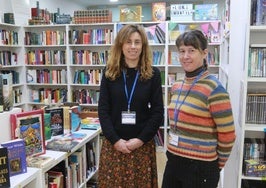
<point>176,112</point>
<point>132,90</point>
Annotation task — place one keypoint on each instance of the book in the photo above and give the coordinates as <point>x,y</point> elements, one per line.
<point>181,12</point>
<point>260,12</point>
<point>47,126</point>
<point>55,179</point>
<point>16,156</point>
<point>61,144</point>
<point>4,168</point>
<point>40,161</point>
<point>7,91</point>
<point>159,11</point>
<point>30,127</point>
<point>205,12</point>
<point>130,13</point>
<point>56,121</point>
<point>1,94</point>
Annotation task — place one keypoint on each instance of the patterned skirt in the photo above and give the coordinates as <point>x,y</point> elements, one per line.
<point>134,170</point>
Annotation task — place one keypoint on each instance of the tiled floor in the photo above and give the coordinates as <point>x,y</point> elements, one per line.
<point>161,160</point>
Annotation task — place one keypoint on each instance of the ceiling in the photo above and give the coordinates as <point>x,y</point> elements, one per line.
<point>89,3</point>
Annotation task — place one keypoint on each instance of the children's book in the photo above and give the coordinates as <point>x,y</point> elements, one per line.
<point>16,156</point>
<point>206,12</point>
<point>4,169</point>
<point>159,11</point>
<point>30,127</point>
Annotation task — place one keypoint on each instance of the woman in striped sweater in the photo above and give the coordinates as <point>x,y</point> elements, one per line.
<point>202,131</point>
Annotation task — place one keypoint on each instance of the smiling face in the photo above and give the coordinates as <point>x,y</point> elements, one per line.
<point>132,49</point>
<point>191,58</point>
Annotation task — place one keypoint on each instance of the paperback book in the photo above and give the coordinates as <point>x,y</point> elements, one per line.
<point>181,12</point>
<point>4,169</point>
<point>16,156</point>
<point>56,121</point>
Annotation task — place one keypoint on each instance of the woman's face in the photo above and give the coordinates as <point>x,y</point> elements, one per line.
<point>132,49</point>
<point>191,58</point>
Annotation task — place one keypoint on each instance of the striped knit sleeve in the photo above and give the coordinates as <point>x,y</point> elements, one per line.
<point>220,108</point>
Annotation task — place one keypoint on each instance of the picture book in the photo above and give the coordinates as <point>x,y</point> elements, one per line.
<point>40,161</point>
<point>56,121</point>
<point>16,156</point>
<point>61,144</point>
<point>90,123</point>
<point>30,127</point>
<point>181,12</point>
<point>159,11</point>
<point>4,169</point>
<point>206,12</point>
<point>131,13</point>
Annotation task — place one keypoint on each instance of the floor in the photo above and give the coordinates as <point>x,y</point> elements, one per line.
<point>161,160</point>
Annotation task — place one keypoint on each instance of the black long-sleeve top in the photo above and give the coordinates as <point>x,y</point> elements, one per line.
<point>147,102</point>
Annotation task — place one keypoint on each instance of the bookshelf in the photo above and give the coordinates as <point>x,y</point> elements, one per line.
<point>254,101</point>
<point>11,56</point>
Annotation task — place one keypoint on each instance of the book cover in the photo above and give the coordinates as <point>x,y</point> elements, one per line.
<point>159,11</point>
<point>62,144</point>
<point>131,13</point>
<point>40,161</point>
<point>16,156</point>
<point>30,127</point>
<point>57,120</point>
<point>206,12</point>
<point>4,169</point>
<point>181,12</point>
<point>261,12</point>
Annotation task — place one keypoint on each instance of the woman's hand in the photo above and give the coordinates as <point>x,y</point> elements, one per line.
<point>134,143</point>
<point>121,146</point>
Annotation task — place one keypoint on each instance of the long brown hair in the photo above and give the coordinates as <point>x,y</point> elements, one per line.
<point>116,62</point>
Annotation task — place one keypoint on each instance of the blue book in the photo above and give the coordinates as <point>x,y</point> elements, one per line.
<point>16,156</point>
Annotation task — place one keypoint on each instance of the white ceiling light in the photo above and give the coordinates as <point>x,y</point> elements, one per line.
<point>113,0</point>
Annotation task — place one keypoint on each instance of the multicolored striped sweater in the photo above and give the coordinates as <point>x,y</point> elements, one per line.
<point>205,126</point>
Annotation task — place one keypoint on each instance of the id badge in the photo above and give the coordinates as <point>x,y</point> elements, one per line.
<point>173,139</point>
<point>128,117</point>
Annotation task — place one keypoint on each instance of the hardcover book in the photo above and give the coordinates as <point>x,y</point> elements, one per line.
<point>4,169</point>
<point>206,12</point>
<point>131,13</point>
<point>30,127</point>
<point>16,156</point>
<point>56,121</point>
<point>159,11</point>
<point>7,91</point>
